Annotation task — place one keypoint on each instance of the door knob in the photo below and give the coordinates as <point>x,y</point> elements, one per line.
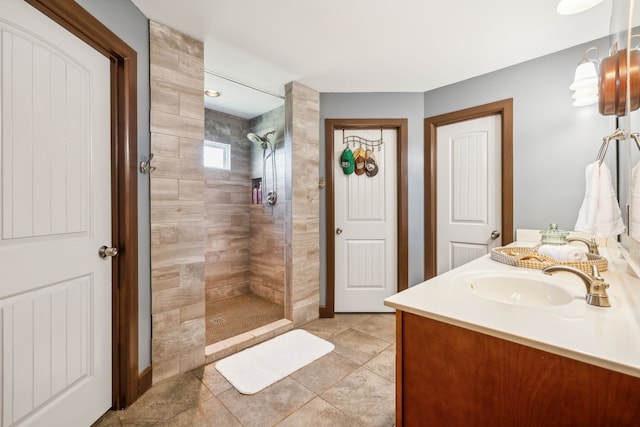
<point>495,234</point>
<point>106,251</point>
<point>338,230</point>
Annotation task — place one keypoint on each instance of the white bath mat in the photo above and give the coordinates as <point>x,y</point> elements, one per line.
<point>255,368</point>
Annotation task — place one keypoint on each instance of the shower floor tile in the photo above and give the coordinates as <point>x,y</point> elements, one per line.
<point>233,316</point>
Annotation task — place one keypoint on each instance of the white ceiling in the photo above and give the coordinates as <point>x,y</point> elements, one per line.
<point>369,45</point>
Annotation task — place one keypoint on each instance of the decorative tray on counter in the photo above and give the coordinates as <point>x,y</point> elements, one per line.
<point>529,257</point>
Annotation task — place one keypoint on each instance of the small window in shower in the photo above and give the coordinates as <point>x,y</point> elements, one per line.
<point>217,155</point>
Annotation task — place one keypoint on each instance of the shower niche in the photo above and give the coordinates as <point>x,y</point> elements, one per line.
<point>256,191</point>
<point>245,224</point>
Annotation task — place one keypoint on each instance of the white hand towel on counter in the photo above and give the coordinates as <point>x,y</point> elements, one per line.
<point>563,253</point>
<point>600,212</point>
<point>634,203</point>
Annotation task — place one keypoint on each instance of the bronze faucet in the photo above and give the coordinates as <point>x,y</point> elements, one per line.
<point>596,286</point>
<point>591,244</point>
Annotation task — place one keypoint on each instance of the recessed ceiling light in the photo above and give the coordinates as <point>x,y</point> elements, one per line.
<point>212,93</point>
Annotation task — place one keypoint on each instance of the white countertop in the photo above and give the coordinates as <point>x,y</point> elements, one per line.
<point>606,337</point>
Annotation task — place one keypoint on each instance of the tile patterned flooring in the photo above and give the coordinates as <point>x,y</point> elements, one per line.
<point>354,385</point>
<point>233,316</point>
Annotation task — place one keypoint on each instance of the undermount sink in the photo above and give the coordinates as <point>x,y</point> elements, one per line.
<point>518,290</point>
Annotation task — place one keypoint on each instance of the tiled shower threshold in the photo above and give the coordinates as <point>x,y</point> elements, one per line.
<point>255,336</point>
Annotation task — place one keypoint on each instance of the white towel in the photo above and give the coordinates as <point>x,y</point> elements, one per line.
<point>600,212</point>
<point>634,203</point>
<point>563,253</point>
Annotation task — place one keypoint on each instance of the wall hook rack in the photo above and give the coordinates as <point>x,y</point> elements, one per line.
<point>145,165</point>
<point>369,143</point>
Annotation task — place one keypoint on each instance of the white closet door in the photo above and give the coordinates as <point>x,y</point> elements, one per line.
<point>55,207</point>
<point>366,228</point>
<point>469,190</point>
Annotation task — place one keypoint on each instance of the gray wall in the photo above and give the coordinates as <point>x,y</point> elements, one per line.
<point>128,23</point>
<point>553,141</point>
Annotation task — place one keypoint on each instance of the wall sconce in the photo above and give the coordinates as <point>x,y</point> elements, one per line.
<point>616,70</point>
<point>585,81</point>
<point>569,7</point>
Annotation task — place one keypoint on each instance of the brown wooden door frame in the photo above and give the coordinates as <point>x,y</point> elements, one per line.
<point>128,384</point>
<point>400,125</point>
<point>505,109</point>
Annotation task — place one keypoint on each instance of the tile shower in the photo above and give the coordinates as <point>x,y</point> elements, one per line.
<point>177,206</point>
<point>244,238</point>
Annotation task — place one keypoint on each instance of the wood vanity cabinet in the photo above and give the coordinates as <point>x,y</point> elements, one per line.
<point>451,376</point>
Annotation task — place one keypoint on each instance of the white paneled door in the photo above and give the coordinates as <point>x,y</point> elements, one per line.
<point>55,210</point>
<point>366,224</point>
<point>469,194</point>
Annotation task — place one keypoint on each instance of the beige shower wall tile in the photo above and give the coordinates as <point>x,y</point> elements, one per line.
<point>216,292</point>
<point>191,312</point>
<point>166,322</point>
<point>177,254</point>
<point>169,85</point>
<point>177,201</point>
<point>192,231</point>
<point>164,188</point>
<point>188,340</point>
<point>167,344</point>
<point>192,333</point>
<point>174,39</point>
<point>191,65</point>
<point>175,211</point>
<point>172,124</point>
<point>191,190</point>
<point>162,59</point>
<point>165,367</point>
<point>164,145</point>
<point>165,66</point>
<point>305,313</point>
<point>192,106</point>
<point>163,234</point>
<point>165,278</point>
<point>192,274</point>
<point>218,220</point>
<point>175,298</point>
<point>191,170</point>
<point>302,244</point>
<point>166,100</point>
<point>213,257</point>
<point>192,357</point>
<point>217,198</point>
<point>166,167</point>
<point>192,149</point>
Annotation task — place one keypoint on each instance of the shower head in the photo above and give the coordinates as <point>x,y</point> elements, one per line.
<point>262,140</point>
<point>255,138</point>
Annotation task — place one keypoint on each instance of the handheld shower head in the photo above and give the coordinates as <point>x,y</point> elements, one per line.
<point>255,138</point>
<point>262,140</point>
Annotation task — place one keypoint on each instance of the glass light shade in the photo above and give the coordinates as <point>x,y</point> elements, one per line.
<point>569,7</point>
<point>583,102</point>
<point>586,75</point>
<point>585,96</point>
<point>586,92</point>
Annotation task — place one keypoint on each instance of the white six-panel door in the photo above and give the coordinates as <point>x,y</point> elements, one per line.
<point>55,210</point>
<point>468,191</point>
<point>365,214</point>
